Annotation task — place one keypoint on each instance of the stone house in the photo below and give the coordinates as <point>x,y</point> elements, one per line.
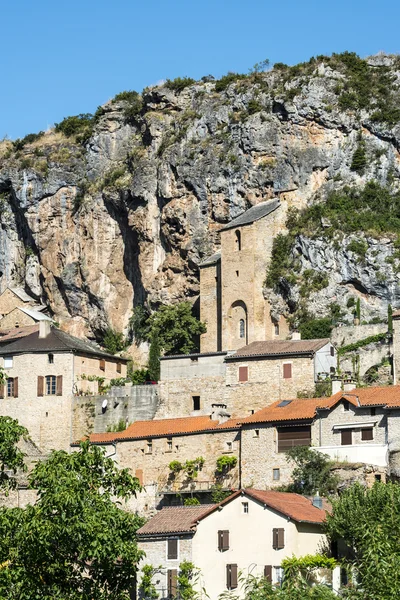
<point>22,316</point>
<point>13,298</point>
<point>251,532</point>
<point>353,426</point>
<point>232,303</point>
<point>44,370</point>
<point>148,447</point>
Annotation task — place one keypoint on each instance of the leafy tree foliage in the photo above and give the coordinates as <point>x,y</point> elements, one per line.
<point>154,358</point>
<point>11,457</point>
<point>312,472</point>
<point>316,328</point>
<point>359,160</point>
<point>114,341</point>
<point>179,83</point>
<point>368,520</point>
<point>147,588</point>
<point>75,543</point>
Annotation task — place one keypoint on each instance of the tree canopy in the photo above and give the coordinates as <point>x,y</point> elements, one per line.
<point>11,456</point>
<point>75,543</point>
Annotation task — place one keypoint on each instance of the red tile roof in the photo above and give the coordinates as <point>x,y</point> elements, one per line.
<point>280,348</point>
<point>174,519</point>
<point>165,427</point>
<point>294,506</point>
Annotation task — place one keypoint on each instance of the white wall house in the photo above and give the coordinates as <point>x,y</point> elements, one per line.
<point>250,532</point>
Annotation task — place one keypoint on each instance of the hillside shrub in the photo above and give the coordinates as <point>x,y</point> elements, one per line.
<point>179,83</point>
<point>316,328</point>
<point>18,144</point>
<point>359,160</point>
<point>133,104</point>
<point>114,341</point>
<point>226,80</point>
<point>78,126</point>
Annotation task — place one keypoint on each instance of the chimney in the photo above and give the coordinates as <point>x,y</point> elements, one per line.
<point>219,413</point>
<point>296,335</point>
<point>44,328</point>
<point>348,385</point>
<point>336,385</point>
<point>317,501</point>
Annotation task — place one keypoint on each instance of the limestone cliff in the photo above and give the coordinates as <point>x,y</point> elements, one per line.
<point>94,225</point>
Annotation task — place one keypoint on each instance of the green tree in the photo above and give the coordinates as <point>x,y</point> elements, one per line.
<point>188,578</point>
<point>11,457</point>
<point>154,357</point>
<point>359,161</point>
<point>75,543</point>
<point>114,341</point>
<point>358,309</point>
<point>313,329</point>
<point>312,472</point>
<point>147,588</point>
<point>368,521</point>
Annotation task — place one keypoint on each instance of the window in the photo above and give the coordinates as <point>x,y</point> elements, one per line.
<point>278,575</point>
<point>242,329</point>
<point>289,437</point>
<point>237,273</point>
<point>238,240</point>
<point>10,387</point>
<point>256,433</point>
<point>378,477</point>
<point>196,402</point>
<point>8,362</point>
<point>119,367</point>
<point>346,405</point>
<point>287,371</point>
<point>231,577</point>
<point>347,437</point>
<point>268,573</point>
<point>51,385</point>
<point>229,446</point>
<point>172,549</point>
<point>102,364</point>
<point>243,374</point>
<point>194,359</point>
<point>50,359</point>
<point>172,576</point>
<point>169,444</point>
<point>276,474</point>
<point>278,538</point>
<point>223,540</point>
<point>245,507</point>
<point>373,411</point>
<point>149,447</point>
<point>332,351</point>
<point>367,434</point>
<point>276,328</point>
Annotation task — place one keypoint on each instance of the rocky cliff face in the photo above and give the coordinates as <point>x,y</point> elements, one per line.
<point>96,227</point>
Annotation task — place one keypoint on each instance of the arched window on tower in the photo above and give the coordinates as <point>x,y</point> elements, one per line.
<point>238,240</point>
<point>242,328</point>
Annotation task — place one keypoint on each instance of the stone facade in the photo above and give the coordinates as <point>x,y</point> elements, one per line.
<point>232,303</point>
<point>16,318</point>
<point>396,348</point>
<point>9,300</point>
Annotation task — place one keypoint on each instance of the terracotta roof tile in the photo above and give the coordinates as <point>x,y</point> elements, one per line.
<point>294,506</point>
<point>279,348</point>
<point>174,519</point>
<point>165,427</point>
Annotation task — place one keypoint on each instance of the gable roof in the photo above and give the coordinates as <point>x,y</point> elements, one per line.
<point>175,519</point>
<point>255,213</point>
<point>12,334</point>
<point>296,507</point>
<point>165,427</point>
<point>20,292</point>
<point>55,341</point>
<point>34,314</point>
<point>280,348</point>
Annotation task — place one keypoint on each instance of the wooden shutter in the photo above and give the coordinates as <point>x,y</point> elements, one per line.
<point>288,437</point>
<point>243,373</point>
<point>59,385</point>
<point>278,538</point>
<point>2,390</point>
<point>172,552</point>
<point>347,437</point>
<point>223,540</point>
<point>231,577</point>
<point>40,385</point>
<point>102,364</point>
<point>367,434</point>
<point>268,573</point>
<point>287,371</point>
<point>172,576</point>
<point>139,475</point>
<point>16,388</point>
<point>119,368</point>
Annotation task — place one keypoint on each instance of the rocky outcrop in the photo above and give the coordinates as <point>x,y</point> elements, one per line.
<point>125,217</point>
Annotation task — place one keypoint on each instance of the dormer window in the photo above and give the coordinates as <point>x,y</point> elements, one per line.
<point>238,240</point>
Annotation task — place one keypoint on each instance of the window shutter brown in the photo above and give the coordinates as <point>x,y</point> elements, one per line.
<point>268,573</point>
<point>287,371</point>
<point>119,367</point>
<point>231,577</point>
<point>40,385</point>
<point>172,579</point>
<point>15,387</point>
<point>288,437</point>
<point>59,385</point>
<point>243,373</point>
<point>102,364</point>
<point>278,538</point>
<point>223,540</point>
<point>2,390</point>
<point>367,434</point>
<point>347,437</point>
<point>172,553</point>
<point>139,475</point>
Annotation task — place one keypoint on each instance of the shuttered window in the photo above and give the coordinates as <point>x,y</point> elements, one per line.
<point>119,367</point>
<point>223,540</point>
<point>231,577</point>
<point>40,385</point>
<point>268,573</point>
<point>59,385</point>
<point>278,538</point>
<point>139,475</point>
<point>172,576</point>
<point>367,434</point>
<point>289,437</point>
<point>172,549</point>
<point>10,387</point>
<point>287,371</point>
<point>243,374</point>
<point>51,382</point>
<point>102,364</point>
<point>2,390</point>
<point>347,437</point>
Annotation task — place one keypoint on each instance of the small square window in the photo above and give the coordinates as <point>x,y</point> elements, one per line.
<point>169,444</point>
<point>229,446</point>
<point>346,405</point>
<point>256,433</point>
<point>378,477</point>
<point>50,358</point>
<point>276,474</point>
<point>245,508</point>
<point>8,362</point>
<point>196,402</point>
<point>367,435</point>
<point>149,446</point>
<point>373,411</point>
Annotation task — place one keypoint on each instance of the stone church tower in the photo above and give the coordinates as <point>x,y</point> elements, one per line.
<point>232,280</point>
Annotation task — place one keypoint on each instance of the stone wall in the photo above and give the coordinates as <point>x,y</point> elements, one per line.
<point>89,366</point>
<point>9,301</point>
<point>348,334</point>
<point>210,307</point>
<point>16,318</point>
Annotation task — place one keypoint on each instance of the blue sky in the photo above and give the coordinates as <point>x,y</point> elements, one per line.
<point>67,57</point>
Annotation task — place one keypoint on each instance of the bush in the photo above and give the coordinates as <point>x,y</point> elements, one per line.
<point>312,472</point>
<point>18,144</point>
<point>359,247</point>
<point>191,502</point>
<point>316,328</point>
<point>225,463</point>
<point>133,104</point>
<point>139,377</point>
<point>226,80</point>
<point>359,161</point>
<point>179,83</point>
<point>78,126</point>
<point>114,341</point>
